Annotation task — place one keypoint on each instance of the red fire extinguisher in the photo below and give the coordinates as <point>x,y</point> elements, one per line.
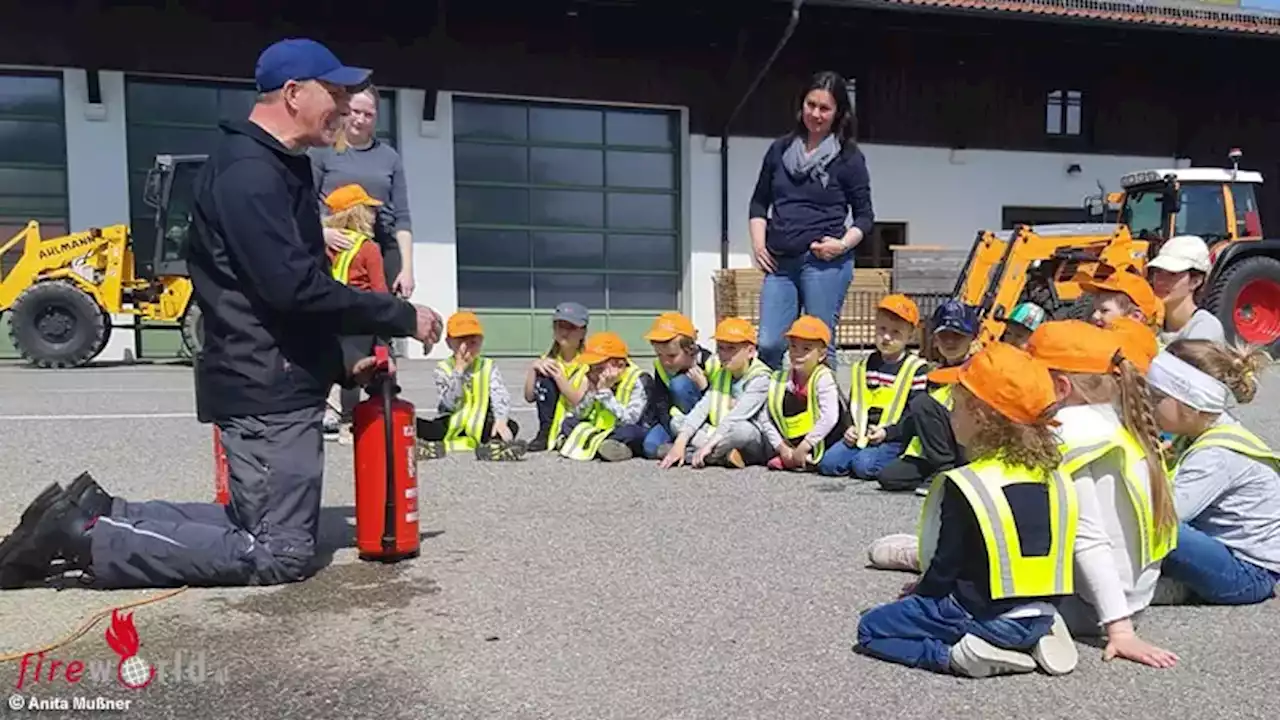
<point>221,473</point>
<point>386,438</point>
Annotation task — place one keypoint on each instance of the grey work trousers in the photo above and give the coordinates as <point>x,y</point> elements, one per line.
<point>266,536</point>
<point>742,436</point>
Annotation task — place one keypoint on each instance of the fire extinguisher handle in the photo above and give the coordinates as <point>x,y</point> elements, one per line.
<point>382,356</point>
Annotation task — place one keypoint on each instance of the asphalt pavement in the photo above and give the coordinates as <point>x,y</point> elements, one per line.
<point>548,589</point>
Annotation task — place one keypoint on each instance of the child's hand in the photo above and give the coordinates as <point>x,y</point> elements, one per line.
<point>700,457</point>
<point>609,376</point>
<point>1124,642</point>
<point>851,435</point>
<point>875,436</point>
<point>795,460</point>
<point>502,430</point>
<point>698,377</point>
<point>674,456</point>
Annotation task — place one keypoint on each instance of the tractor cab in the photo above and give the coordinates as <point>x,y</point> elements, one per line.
<point>170,191</point>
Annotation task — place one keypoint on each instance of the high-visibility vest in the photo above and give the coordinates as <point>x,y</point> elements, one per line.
<point>891,399</point>
<point>598,423</point>
<point>720,386</point>
<point>1012,574</point>
<point>713,365</point>
<point>1153,544</point>
<point>795,427</point>
<point>342,261</point>
<point>945,396</point>
<point>576,373</point>
<point>1237,439</point>
<point>466,422</point>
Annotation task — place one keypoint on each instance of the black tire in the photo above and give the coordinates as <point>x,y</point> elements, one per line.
<point>54,324</point>
<point>1054,307</point>
<point>1221,298</point>
<point>192,329</point>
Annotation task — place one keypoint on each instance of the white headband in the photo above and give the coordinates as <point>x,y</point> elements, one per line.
<point>1188,384</point>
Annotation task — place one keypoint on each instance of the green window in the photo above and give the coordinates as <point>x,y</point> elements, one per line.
<point>33,166</point>
<point>559,202</point>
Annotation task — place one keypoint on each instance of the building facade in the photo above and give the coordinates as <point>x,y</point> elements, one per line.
<point>572,150</point>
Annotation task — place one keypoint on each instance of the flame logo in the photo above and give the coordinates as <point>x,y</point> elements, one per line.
<point>133,672</point>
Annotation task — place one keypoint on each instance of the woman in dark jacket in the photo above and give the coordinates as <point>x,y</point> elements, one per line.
<point>811,179</point>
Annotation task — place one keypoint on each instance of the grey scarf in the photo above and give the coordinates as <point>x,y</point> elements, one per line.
<point>798,165</point>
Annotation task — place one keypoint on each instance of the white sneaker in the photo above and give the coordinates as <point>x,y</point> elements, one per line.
<point>976,658</point>
<point>1056,652</point>
<point>895,552</point>
<point>923,491</point>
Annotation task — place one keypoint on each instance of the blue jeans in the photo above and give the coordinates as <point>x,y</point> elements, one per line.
<point>818,287</point>
<point>845,459</point>
<point>919,631</point>
<point>684,394</point>
<point>1213,573</point>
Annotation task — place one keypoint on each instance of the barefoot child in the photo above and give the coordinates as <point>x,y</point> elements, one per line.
<point>721,428</point>
<point>804,414</point>
<point>606,422</point>
<point>994,537</point>
<point>883,384</point>
<point>474,403</point>
<point>555,381</point>
<point>682,369</point>
<point>1226,484</point>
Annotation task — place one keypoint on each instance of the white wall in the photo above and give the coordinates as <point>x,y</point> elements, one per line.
<point>97,171</point>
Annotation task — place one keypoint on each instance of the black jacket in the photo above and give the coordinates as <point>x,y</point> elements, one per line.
<point>272,313</point>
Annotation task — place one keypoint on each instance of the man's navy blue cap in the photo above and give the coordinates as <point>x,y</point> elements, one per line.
<point>955,316</point>
<point>303,59</point>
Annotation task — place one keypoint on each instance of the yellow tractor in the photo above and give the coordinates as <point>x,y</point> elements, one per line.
<point>62,292</point>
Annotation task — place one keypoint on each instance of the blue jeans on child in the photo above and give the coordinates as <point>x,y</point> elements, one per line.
<point>818,287</point>
<point>686,394</point>
<point>1213,573</point>
<point>919,631</point>
<point>845,459</point>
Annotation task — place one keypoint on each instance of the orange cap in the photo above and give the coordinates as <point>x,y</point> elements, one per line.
<point>1130,284</point>
<point>1012,382</point>
<point>736,330</point>
<point>1138,342</point>
<point>349,196</point>
<point>945,375</point>
<point>603,346</point>
<point>669,326</point>
<point>808,327</point>
<point>463,324</point>
<point>1074,346</point>
<point>902,306</point>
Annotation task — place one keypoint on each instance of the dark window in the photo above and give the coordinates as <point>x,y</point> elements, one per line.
<point>1042,215</point>
<point>33,158</point>
<point>1063,113</point>
<point>876,251</point>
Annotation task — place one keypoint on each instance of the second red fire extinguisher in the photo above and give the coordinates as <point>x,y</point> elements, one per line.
<point>386,438</point>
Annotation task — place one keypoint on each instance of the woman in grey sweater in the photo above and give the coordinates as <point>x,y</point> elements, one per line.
<point>360,157</point>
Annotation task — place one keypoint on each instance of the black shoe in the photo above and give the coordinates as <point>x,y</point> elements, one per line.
<point>57,533</point>
<point>26,525</point>
<point>89,495</point>
<point>499,451</point>
<point>539,442</point>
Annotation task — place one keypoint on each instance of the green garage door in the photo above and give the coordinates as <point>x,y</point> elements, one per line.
<point>171,117</point>
<point>33,166</point>
<point>563,202</point>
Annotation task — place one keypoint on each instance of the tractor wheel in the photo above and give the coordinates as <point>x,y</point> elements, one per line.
<point>55,324</point>
<point>192,330</point>
<point>1056,308</point>
<point>1246,298</point>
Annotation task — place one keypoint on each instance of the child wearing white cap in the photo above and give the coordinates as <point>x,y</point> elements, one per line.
<point>1177,273</point>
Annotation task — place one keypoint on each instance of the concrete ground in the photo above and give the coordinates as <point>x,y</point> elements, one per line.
<point>552,589</point>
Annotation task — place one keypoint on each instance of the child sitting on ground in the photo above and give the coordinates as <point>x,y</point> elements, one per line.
<point>1023,321</point>
<point>682,369</point>
<point>1117,294</point>
<point>994,537</point>
<point>473,401</point>
<point>607,421</point>
<point>555,382</point>
<point>804,414</point>
<point>883,384</point>
<point>721,427</point>
<point>352,210</point>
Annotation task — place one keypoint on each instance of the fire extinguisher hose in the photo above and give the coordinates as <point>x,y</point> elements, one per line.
<point>87,625</point>
<point>389,520</point>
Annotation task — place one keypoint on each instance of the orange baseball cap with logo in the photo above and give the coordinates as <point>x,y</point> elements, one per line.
<point>1138,342</point>
<point>1075,346</point>
<point>736,330</point>
<point>669,326</point>
<point>349,196</point>
<point>902,306</point>
<point>1132,285</point>
<point>945,375</point>
<point>463,324</point>
<point>808,327</point>
<point>1009,380</point>
<point>603,346</point>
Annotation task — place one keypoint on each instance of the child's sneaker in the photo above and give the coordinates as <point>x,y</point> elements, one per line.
<point>430,449</point>
<point>895,552</point>
<point>976,658</point>
<point>499,451</point>
<point>614,451</point>
<point>331,425</point>
<point>540,442</point>
<point>923,490</point>
<point>1056,652</point>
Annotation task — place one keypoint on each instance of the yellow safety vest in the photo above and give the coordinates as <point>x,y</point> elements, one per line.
<point>713,364</point>
<point>598,423</point>
<point>576,373</point>
<point>1235,438</point>
<point>466,422</point>
<point>342,261</point>
<point>891,399</point>
<point>1154,545</point>
<point>1011,573</point>
<point>797,426</point>
<point>945,396</point>
<point>720,386</point>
